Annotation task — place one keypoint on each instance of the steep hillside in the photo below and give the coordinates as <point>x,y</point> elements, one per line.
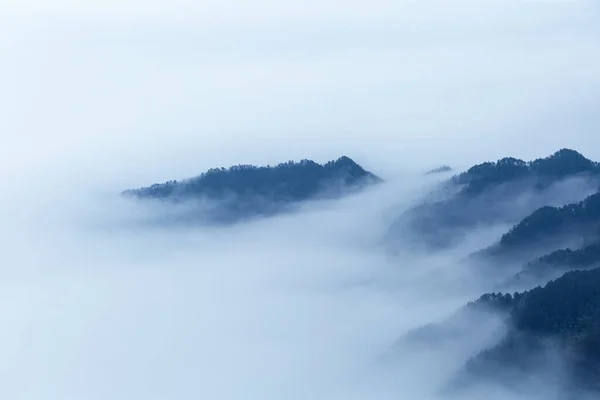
<point>554,329</point>
<point>555,264</point>
<point>497,192</point>
<point>548,229</point>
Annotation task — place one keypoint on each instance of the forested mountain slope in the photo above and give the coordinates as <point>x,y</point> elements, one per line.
<point>549,229</point>
<point>497,192</point>
<point>561,319</point>
<point>245,190</point>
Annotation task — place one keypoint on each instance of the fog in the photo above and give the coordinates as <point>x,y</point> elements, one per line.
<point>303,305</point>
<point>298,306</point>
<point>98,97</point>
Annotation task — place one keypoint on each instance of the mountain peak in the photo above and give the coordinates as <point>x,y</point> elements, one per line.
<point>343,161</point>
<point>563,163</point>
<point>264,189</point>
<point>562,153</point>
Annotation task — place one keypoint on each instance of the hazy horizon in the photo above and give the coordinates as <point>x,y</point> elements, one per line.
<point>101,96</point>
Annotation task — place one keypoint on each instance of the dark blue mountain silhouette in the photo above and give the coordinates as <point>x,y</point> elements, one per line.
<point>560,320</point>
<point>557,263</point>
<point>544,171</point>
<point>487,194</point>
<point>565,314</point>
<point>548,229</point>
<point>245,190</point>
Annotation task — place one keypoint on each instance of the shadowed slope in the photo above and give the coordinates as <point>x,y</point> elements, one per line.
<point>497,192</point>
<point>245,190</point>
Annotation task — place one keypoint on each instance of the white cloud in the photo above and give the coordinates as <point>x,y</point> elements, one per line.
<point>100,96</point>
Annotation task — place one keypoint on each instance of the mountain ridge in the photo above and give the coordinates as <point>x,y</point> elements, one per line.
<point>243,191</point>
<point>563,316</point>
<point>563,163</point>
<point>485,194</point>
<point>549,229</point>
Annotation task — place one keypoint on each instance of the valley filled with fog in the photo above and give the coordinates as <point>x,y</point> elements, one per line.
<point>299,306</point>
<point>436,235</point>
<point>308,304</point>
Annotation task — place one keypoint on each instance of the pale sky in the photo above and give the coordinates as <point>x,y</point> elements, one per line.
<point>167,89</point>
<point>100,96</point>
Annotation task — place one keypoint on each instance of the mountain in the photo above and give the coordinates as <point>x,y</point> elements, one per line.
<point>244,191</point>
<point>563,164</point>
<point>439,170</point>
<point>550,334</point>
<point>556,326</point>
<point>547,332</point>
<point>574,225</point>
<point>557,263</point>
<point>496,192</point>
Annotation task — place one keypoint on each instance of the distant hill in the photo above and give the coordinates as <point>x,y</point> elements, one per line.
<point>551,221</point>
<point>548,333</point>
<point>439,170</point>
<point>245,190</point>
<point>563,164</point>
<point>561,319</point>
<point>574,225</point>
<point>557,263</point>
<point>497,192</point>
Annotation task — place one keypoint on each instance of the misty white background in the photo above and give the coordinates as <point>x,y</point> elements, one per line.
<point>98,96</point>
